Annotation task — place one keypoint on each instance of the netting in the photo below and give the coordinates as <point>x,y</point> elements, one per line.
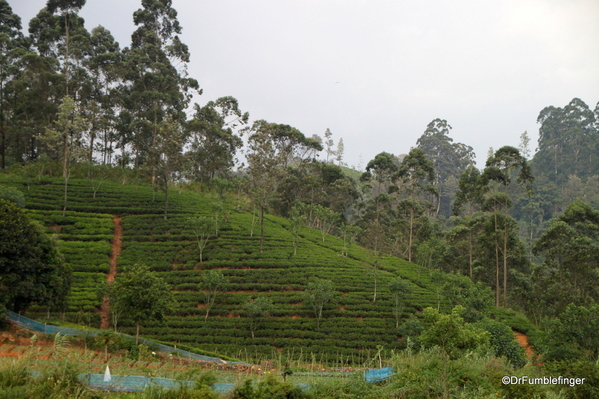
<point>49,329</point>
<point>138,383</point>
<point>378,375</point>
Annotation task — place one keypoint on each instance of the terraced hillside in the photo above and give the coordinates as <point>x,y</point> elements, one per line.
<point>353,326</point>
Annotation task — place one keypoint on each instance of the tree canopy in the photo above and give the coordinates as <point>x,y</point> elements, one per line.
<point>31,268</point>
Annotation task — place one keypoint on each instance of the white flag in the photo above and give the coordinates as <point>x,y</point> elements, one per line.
<point>107,376</point>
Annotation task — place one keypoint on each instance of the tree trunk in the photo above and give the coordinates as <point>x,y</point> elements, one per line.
<point>165,198</point>
<point>505,259</point>
<point>65,171</point>
<point>411,235</point>
<point>137,335</point>
<point>3,144</point>
<point>261,229</point>
<point>471,250</point>
<point>64,202</point>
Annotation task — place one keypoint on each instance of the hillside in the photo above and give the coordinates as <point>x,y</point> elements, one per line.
<point>353,324</point>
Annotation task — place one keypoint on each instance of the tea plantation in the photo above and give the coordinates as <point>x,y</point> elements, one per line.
<point>353,327</point>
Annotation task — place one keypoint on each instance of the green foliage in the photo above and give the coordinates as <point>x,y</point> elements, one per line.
<point>450,333</point>
<point>14,374</point>
<point>319,293</point>
<point>503,343</point>
<point>570,250</point>
<point>270,387</point>
<point>572,335</point>
<point>141,296</point>
<point>257,309</point>
<point>400,290</point>
<point>212,282</point>
<point>13,195</point>
<point>589,370</point>
<point>461,290</point>
<point>31,269</point>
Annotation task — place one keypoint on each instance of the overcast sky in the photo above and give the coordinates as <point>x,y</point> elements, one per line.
<point>377,72</point>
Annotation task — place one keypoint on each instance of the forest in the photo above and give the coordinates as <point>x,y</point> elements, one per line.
<point>75,104</point>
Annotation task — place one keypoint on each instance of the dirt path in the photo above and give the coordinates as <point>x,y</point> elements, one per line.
<point>116,251</point>
<point>523,341</point>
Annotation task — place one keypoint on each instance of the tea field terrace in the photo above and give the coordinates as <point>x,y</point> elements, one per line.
<point>354,325</point>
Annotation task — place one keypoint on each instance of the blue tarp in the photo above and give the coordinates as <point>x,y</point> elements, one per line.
<point>378,375</point>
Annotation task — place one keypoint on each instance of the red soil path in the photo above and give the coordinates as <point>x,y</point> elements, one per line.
<point>116,250</point>
<point>523,341</point>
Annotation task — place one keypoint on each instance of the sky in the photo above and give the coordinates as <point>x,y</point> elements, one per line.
<point>377,72</point>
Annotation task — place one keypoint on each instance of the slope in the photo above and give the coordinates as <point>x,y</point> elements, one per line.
<point>354,324</point>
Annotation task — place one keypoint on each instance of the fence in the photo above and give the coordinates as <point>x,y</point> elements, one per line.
<point>378,375</point>
<point>138,383</point>
<point>49,329</point>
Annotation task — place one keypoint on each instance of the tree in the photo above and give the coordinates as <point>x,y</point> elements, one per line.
<point>570,247</point>
<point>31,268</point>
<point>328,141</point>
<point>381,171</point>
<point>463,240</point>
<point>297,221</point>
<point>211,283</point>
<point>450,333</point>
<point>572,335</point>
<point>256,310</point>
<point>318,294</point>
<point>11,46</point>
<point>66,141</point>
<point>105,66</point>
<point>166,158</point>
<point>13,195</point>
<point>374,238</point>
<point>213,137</point>
<point>349,233</point>
<point>460,290</point>
<point>499,169</point>
<point>414,177</point>
<point>141,295</point>
<point>158,85</point>
<point>449,160</point>
<point>524,145</point>
<point>400,290</point>
<point>58,32</point>
<point>340,152</point>
<point>326,219</point>
<point>35,95</point>
<point>202,228</point>
<point>470,192</point>
<point>568,142</point>
<point>272,147</point>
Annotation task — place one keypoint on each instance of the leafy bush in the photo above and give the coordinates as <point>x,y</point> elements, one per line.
<point>503,342</point>
<point>270,387</point>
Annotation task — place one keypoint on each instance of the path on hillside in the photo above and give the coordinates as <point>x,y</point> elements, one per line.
<point>523,341</point>
<point>116,251</point>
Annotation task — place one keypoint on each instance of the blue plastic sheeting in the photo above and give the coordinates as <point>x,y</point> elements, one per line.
<point>138,383</point>
<point>48,329</point>
<point>378,375</point>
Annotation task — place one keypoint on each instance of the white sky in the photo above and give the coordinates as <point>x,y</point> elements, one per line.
<point>377,72</point>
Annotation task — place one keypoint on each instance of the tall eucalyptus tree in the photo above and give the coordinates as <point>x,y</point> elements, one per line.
<point>159,87</point>
<point>11,47</point>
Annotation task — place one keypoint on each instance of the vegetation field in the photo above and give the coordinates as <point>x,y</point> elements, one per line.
<point>354,323</point>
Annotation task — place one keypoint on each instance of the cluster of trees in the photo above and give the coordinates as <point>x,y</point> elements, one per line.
<point>70,95</point>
